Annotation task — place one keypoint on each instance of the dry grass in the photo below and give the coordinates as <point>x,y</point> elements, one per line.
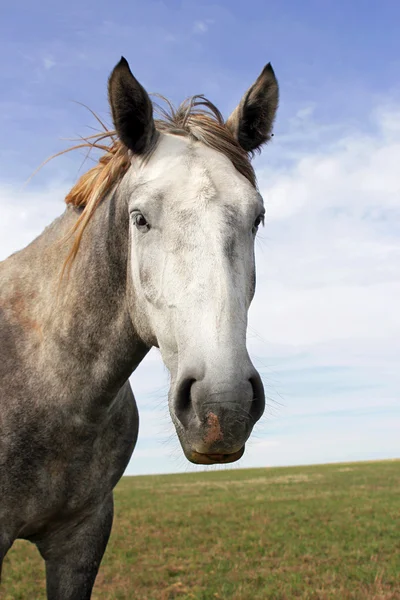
<point>315,533</point>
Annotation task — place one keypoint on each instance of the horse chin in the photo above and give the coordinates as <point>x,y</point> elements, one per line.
<point>198,458</point>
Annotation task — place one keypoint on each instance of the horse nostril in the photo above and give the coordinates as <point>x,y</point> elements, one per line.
<point>183,401</point>
<point>258,403</point>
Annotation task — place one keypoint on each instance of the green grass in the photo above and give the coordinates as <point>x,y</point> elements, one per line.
<point>317,532</point>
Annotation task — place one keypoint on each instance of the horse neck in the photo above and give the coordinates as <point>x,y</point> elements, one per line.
<point>85,330</point>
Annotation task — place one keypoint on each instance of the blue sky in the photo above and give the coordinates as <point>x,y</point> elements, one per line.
<point>325,327</point>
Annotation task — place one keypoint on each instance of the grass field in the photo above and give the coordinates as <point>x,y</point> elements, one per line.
<point>315,532</point>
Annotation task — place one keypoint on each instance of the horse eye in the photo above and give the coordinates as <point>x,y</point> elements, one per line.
<point>140,221</point>
<point>258,221</point>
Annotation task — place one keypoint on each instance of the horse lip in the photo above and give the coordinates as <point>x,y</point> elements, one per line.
<point>198,458</point>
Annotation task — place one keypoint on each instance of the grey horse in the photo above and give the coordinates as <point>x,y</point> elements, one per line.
<point>155,248</point>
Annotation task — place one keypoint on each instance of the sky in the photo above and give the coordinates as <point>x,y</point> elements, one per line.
<point>324,327</point>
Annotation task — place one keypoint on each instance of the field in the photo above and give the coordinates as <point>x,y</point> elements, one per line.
<point>316,532</point>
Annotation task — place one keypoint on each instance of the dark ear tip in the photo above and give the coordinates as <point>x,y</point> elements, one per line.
<point>268,69</point>
<point>123,63</point>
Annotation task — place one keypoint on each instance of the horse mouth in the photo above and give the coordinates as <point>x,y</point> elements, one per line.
<point>199,458</point>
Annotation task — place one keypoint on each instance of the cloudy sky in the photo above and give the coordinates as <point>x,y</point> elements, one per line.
<point>325,324</point>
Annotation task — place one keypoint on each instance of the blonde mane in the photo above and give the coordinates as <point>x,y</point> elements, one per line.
<point>196,118</point>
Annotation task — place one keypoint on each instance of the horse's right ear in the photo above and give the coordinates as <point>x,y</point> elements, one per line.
<point>131,109</point>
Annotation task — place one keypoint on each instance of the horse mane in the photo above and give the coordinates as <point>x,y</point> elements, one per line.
<point>196,118</point>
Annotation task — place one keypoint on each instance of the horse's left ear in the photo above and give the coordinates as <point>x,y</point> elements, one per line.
<point>251,121</point>
<point>131,108</point>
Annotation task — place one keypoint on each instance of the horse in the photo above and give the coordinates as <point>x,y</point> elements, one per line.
<point>155,249</point>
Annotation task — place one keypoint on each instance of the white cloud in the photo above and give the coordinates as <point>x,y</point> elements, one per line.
<point>201,27</point>
<point>49,62</point>
<point>329,261</point>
